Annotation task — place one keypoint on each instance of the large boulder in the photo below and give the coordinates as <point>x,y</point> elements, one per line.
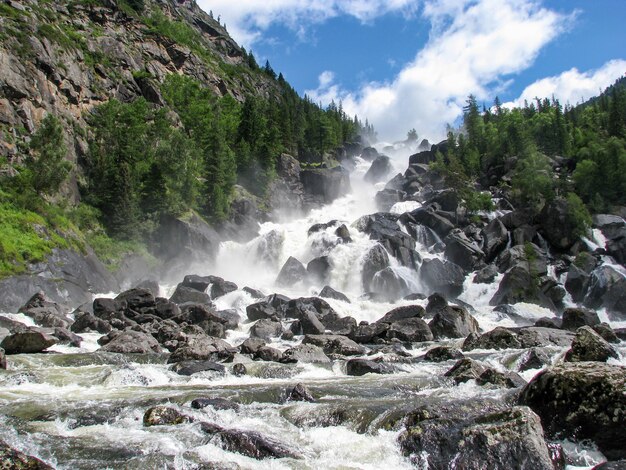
<point>519,284</point>
<point>27,341</point>
<point>443,276</point>
<point>557,224</point>
<point>590,346</point>
<point>495,238</point>
<point>335,344</point>
<point>358,367</point>
<point>574,318</point>
<point>86,322</point>
<point>132,342</point>
<point>453,322</point>
<point>431,219</point>
<point>292,272</point>
<point>386,198</point>
<point>376,259</point>
<point>184,294</point>
<point>465,369</point>
<point>164,416</point>
<point>266,329</point>
<point>582,400</point>
<point>325,185</point>
<point>331,293</point>
<point>463,252</point>
<point>318,269</point>
<point>384,228</point>
<point>307,353</point>
<point>402,313</point>
<point>271,307</point>
<point>607,288</point>
<point>389,285</point>
<point>379,169</point>
<point>508,439</point>
<point>412,330</point>
<point>15,460</point>
<point>186,237</point>
<point>44,311</point>
<point>249,443</point>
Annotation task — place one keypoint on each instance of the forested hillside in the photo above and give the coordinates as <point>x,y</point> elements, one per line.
<point>115,114</point>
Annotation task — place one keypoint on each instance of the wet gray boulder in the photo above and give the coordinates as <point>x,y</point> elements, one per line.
<point>15,460</point>
<point>498,338</point>
<point>45,312</point>
<point>3,360</point>
<point>130,341</point>
<point>249,443</point>
<point>266,329</point>
<point>582,400</point>
<point>189,368</point>
<point>318,269</point>
<point>195,344</point>
<point>453,322</point>
<point>184,294</point>
<point>508,439</point>
<point>534,358</point>
<point>535,336</point>
<point>574,318</point>
<point>556,224</point>
<point>271,307</point>
<point>292,272</point>
<point>28,341</point>
<point>331,293</point>
<point>164,416</point>
<point>335,344</point>
<point>529,255</point>
<point>251,345</point>
<point>430,218</point>
<point>358,367</point>
<point>375,260</point>
<point>87,322</point>
<point>486,275</point>
<point>137,298</point>
<point>179,237</point>
<point>379,169</point>
<point>338,325</point>
<point>607,288</point>
<point>402,313</point>
<point>590,346</point>
<point>442,353</point>
<point>506,379</point>
<point>463,252</point>
<point>576,282</point>
<point>366,333</point>
<point>495,237</point>
<point>389,285</point>
<point>443,276</point>
<point>199,283</point>
<point>299,393</point>
<point>215,403</point>
<point>412,330</point>
<point>306,353</point>
<point>519,284</point>
<point>386,198</point>
<point>465,369</point>
<point>220,287</point>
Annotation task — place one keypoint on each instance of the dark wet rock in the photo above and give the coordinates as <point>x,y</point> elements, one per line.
<point>45,312</point>
<point>436,302</point>
<point>149,284</point>
<point>582,400</point>
<point>462,251</point>
<point>292,272</point>
<point>402,313</point>
<point>12,459</point>
<point>549,322</point>
<point>315,228</point>
<point>607,333</point>
<point>453,322</point>
<point>589,346</point>
<point>389,285</point>
<point>383,227</point>
<point>413,297</point>
<point>296,308</point>
<point>506,379</point>
<point>65,336</point>
<point>220,287</point>
<point>27,341</point>
<point>229,318</point>
<point>358,367</point>
<point>574,318</point>
<point>507,439</point>
<point>249,443</point>
<point>343,233</point>
<point>106,309</point>
<point>194,367</point>
<point>299,392</point>
<point>442,353</point>
<point>271,307</point>
<point>215,403</point>
<point>254,293</point>
<point>310,323</point>
<point>465,369</point>
<point>339,325</point>
<point>498,338</point>
<point>239,369</point>
<point>486,275</point>
<point>184,295</point>
<point>266,329</point>
<point>306,353</point>
<point>335,344</point>
<point>369,153</point>
<point>431,219</point>
<point>318,269</point>
<point>331,293</point>
<point>136,299</point>
<point>87,322</point>
<point>180,236</point>
<point>412,330</point>
<point>529,256</point>
<point>164,416</point>
<point>3,360</point>
<point>195,344</point>
<point>443,276</point>
<point>376,259</point>
<point>534,358</point>
<point>556,225</point>
<point>495,237</point>
<point>533,336</point>
<point>378,170</point>
<point>251,345</point>
<point>576,283</point>
<point>366,333</point>
<point>269,354</point>
<point>386,198</point>
<point>520,285</point>
<point>324,185</point>
<point>130,341</point>
<point>607,288</point>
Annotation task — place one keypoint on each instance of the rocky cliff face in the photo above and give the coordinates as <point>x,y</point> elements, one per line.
<point>67,57</point>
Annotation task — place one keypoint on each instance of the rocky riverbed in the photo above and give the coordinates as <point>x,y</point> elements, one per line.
<point>416,337</point>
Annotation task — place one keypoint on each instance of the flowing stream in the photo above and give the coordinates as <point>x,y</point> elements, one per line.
<point>78,409</point>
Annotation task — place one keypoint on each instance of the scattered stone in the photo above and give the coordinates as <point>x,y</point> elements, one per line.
<point>498,338</point>
<point>465,369</point>
<point>251,345</point>
<point>299,393</point>
<point>443,276</point>
<point>443,353</point>
<point>574,318</point>
<point>453,322</point>
<point>582,400</point>
<point>129,341</point>
<point>413,330</point>
<point>590,346</point>
<point>239,369</point>
<point>360,367</point>
<point>216,403</point>
<point>402,313</point>
<point>335,344</point>
<point>194,367</point>
<point>306,353</point>
<point>269,354</point>
<point>534,358</point>
<point>87,322</point>
<point>501,379</point>
<point>164,416</point>
<point>266,329</point>
<point>184,294</point>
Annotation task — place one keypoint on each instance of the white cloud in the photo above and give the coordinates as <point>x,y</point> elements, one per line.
<point>573,86</point>
<point>473,46</point>
<point>247,19</point>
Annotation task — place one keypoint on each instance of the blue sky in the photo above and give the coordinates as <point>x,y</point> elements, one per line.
<point>411,63</point>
